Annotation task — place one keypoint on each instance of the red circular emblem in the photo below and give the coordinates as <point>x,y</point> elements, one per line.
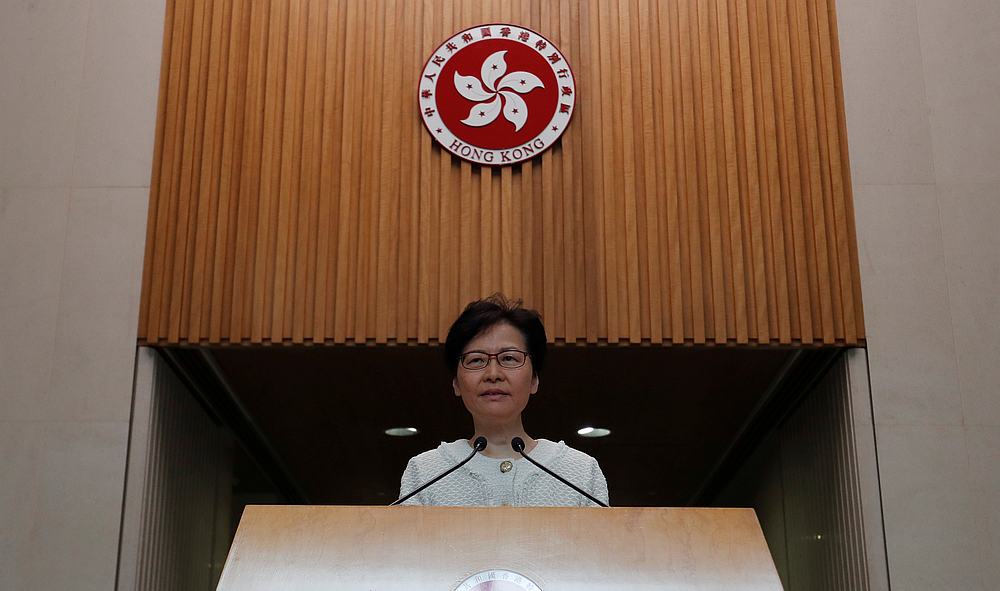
<point>497,94</point>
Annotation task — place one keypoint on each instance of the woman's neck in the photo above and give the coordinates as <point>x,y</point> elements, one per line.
<point>499,436</point>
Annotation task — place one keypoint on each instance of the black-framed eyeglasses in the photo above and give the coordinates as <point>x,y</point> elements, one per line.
<point>478,360</point>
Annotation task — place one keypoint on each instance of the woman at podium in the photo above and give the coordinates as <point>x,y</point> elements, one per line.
<point>495,351</point>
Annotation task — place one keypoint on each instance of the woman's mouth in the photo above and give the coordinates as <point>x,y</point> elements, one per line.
<point>494,394</point>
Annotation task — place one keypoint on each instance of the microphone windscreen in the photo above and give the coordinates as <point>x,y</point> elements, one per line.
<point>480,443</point>
<point>518,444</point>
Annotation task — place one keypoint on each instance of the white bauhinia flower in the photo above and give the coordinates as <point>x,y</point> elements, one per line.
<point>496,93</point>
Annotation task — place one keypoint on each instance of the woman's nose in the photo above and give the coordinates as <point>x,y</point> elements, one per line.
<point>493,370</point>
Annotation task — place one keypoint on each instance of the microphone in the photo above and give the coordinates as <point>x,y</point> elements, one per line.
<point>477,446</point>
<point>518,444</point>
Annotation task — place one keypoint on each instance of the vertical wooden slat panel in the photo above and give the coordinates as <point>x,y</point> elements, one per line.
<point>149,311</point>
<point>633,119</point>
<point>670,160</point>
<point>548,259</point>
<point>808,160</point>
<point>580,296</point>
<point>407,292</point>
<point>249,179</point>
<point>346,219</point>
<point>528,258</point>
<point>626,205</point>
<point>777,278</point>
<point>536,237</point>
<point>219,222</point>
<point>836,200</point>
<point>270,177</point>
<point>371,145</point>
<point>448,199</point>
<point>307,265</point>
<point>377,283</point>
<point>763,228</point>
<point>329,201</point>
<point>777,182</point>
<point>167,236</point>
<point>428,183</point>
<point>733,221</point>
<point>290,197</point>
<point>711,197</point>
<point>855,329</point>
<point>691,257</point>
<point>392,258</point>
<point>193,231</point>
<point>612,278</point>
<point>206,224</point>
<point>645,123</point>
<point>552,215</point>
<point>232,142</point>
<point>697,207</point>
<point>596,293</point>
<point>795,193</point>
<point>183,229</point>
<point>816,131</point>
<point>700,195</point>
<point>723,297</point>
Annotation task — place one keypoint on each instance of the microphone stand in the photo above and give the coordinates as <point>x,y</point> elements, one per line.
<point>477,446</point>
<point>518,444</point>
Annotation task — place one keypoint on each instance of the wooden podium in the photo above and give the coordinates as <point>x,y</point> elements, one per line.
<point>551,549</point>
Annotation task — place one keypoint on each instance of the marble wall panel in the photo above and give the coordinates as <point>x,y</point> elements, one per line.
<point>970,218</point>
<point>959,47</point>
<point>885,103</point>
<point>42,44</point>
<point>119,94</point>
<point>60,504</point>
<point>934,533</point>
<point>906,301</point>
<point>92,367</point>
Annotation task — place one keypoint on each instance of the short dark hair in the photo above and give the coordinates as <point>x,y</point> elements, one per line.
<point>482,314</point>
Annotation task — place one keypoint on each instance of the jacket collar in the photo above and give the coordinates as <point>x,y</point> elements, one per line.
<point>546,453</point>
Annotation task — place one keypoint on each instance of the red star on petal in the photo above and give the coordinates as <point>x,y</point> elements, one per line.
<point>438,130</point>
<point>554,128</point>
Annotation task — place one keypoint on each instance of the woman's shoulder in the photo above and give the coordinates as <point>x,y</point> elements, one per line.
<point>576,466</point>
<point>558,451</point>
<point>445,453</point>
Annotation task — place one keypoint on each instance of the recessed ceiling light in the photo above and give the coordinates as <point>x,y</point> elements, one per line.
<point>401,431</point>
<point>593,432</point>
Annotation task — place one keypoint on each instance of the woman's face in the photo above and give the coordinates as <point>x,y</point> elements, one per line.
<point>496,394</point>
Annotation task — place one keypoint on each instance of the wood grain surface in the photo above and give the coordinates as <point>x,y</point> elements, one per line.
<point>700,195</point>
<point>559,549</point>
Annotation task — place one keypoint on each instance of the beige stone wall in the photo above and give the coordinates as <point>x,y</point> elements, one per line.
<point>922,90</point>
<point>78,84</point>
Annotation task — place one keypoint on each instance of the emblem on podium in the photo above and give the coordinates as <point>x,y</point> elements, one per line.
<point>497,580</point>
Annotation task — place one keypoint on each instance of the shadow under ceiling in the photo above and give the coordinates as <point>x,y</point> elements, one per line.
<point>676,414</point>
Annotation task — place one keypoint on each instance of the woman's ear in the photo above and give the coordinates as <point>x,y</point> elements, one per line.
<point>454,386</point>
<point>534,383</point>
